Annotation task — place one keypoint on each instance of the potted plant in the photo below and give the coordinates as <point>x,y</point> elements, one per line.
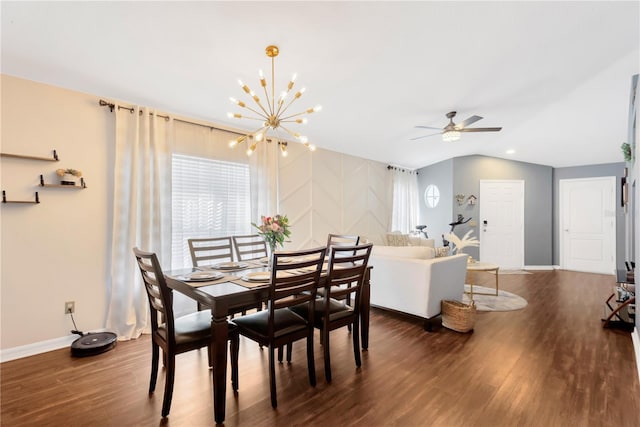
<point>68,176</point>
<point>626,151</point>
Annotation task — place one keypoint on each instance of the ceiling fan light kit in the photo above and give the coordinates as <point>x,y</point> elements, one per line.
<point>451,132</point>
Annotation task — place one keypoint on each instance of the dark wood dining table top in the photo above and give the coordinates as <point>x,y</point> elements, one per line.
<point>233,291</point>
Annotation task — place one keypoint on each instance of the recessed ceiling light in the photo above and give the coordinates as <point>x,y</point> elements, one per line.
<point>511,151</point>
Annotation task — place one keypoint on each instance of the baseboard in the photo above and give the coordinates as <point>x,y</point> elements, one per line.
<point>539,267</point>
<point>635,337</point>
<point>38,347</point>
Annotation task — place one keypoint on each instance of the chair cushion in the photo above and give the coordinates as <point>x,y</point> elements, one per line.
<point>191,327</point>
<point>337,310</point>
<point>285,322</point>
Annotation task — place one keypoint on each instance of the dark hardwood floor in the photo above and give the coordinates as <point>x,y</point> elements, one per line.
<point>550,364</point>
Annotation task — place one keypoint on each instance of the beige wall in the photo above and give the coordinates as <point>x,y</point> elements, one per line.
<point>59,251</point>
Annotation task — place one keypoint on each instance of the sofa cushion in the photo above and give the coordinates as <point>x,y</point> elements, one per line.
<point>420,252</point>
<point>421,241</point>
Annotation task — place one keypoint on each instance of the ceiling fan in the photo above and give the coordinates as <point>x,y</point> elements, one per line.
<point>451,132</point>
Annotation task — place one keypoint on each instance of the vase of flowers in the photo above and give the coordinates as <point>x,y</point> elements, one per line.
<point>68,176</point>
<point>273,229</point>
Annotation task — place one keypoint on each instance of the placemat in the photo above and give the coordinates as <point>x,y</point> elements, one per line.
<point>224,278</point>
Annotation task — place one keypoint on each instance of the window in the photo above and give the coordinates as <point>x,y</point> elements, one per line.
<point>210,198</point>
<point>432,196</point>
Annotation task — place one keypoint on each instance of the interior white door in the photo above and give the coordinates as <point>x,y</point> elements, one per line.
<point>588,223</point>
<point>502,223</point>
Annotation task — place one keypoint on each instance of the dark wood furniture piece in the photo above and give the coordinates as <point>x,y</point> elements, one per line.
<point>204,251</point>
<point>292,282</point>
<point>249,247</point>
<point>345,278</point>
<point>620,306</point>
<point>341,240</point>
<point>223,297</point>
<point>176,335</point>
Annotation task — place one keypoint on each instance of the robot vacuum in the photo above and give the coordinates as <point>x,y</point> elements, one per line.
<point>91,344</point>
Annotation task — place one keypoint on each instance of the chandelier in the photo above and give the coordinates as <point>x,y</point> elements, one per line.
<point>273,113</point>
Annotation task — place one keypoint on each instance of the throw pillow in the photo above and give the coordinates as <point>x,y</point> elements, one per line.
<point>397,239</point>
<point>441,252</point>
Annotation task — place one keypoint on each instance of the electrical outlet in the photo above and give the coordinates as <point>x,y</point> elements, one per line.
<point>69,307</point>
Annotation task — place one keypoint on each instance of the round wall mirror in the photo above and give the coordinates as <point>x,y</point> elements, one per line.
<point>431,196</point>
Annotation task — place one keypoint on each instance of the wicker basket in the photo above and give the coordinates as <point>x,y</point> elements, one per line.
<point>458,316</point>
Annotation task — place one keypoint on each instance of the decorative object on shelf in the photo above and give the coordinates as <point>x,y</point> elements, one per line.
<point>626,152</point>
<point>460,199</point>
<point>273,229</point>
<point>272,117</point>
<point>471,200</point>
<point>82,185</point>
<point>68,176</point>
<point>466,241</point>
<point>4,199</point>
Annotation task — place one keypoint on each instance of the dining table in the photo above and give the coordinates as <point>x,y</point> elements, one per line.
<point>228,287</point>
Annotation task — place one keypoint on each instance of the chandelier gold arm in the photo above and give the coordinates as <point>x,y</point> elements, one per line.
<point>271,111</point>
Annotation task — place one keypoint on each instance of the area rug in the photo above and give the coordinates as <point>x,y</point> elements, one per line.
<point>505,301</point>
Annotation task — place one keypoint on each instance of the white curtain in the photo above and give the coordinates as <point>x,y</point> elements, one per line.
<point>141,213</point>
<point>404,215</point>
<point>263,171</point>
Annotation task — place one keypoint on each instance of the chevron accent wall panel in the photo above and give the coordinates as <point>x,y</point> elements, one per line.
<point>326,192</point>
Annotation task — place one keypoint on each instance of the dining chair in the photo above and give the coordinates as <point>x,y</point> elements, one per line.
<point>208,251</point>
<point>249,247</point>
<point>205,251</point>
<point>342,240</point>
<point>345,277</point>
<point>176,335</point>
<point>293,274</point>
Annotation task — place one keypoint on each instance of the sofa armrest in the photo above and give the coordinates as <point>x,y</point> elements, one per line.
<point>416,286</point>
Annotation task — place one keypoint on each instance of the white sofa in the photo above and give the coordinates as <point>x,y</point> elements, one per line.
<point>410,279</point>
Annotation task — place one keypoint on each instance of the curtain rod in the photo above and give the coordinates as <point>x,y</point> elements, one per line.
<point>111,106</point>
<point>389,167</point>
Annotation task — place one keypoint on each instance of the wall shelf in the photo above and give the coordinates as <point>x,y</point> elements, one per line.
<point>20,156</point>
<point>4,199</point>
<point>82,185</point>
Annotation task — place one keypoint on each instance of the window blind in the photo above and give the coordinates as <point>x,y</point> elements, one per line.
<point>210,198</point>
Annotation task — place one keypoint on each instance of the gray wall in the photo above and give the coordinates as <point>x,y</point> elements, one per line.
<point>469,170</point>
<point>437,219</point>
<point>591,171</point>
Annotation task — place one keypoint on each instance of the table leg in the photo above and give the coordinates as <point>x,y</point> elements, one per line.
<point>219,330</point>
<point>365,304</point>
<point>497,281</point>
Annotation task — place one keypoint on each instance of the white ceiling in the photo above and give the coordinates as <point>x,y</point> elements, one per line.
<point>554,75</point>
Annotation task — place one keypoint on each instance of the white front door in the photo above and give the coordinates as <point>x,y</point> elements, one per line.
<point>502,223</point>
<point>588,224</point>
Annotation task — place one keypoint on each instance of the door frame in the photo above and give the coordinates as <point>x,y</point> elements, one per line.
<point>521,182</point>
<point>561,236</point>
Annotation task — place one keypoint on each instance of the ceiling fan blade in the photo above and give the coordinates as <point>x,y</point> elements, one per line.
<point>467,122</point>
<point>479,129</point>
<point>428,127</point>
<point>425,136</point>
